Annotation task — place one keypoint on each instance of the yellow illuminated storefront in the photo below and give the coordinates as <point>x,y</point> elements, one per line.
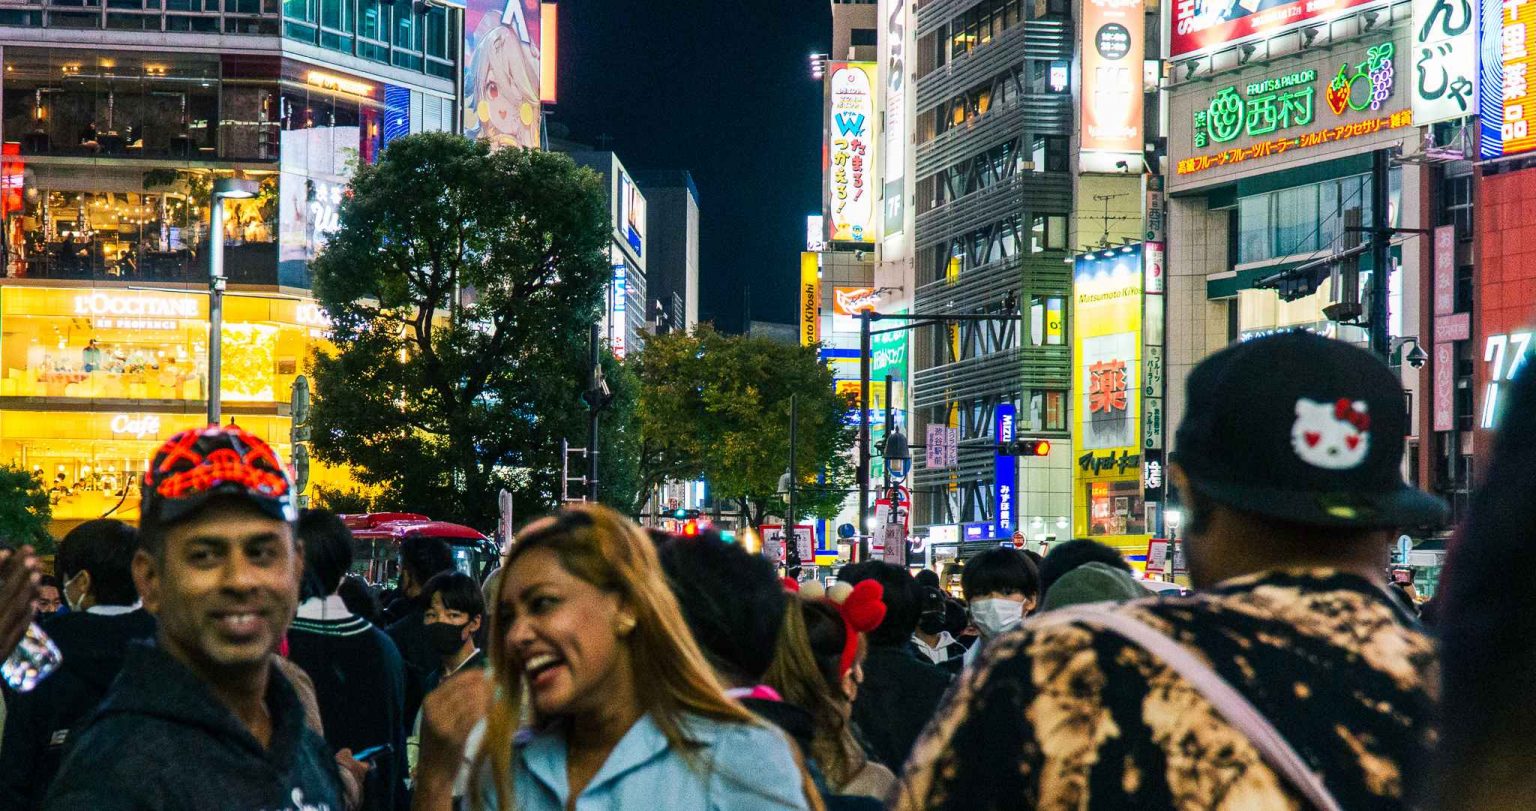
<point>93,379</point>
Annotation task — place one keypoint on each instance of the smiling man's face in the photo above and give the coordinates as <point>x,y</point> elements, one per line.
<point>224,588</point>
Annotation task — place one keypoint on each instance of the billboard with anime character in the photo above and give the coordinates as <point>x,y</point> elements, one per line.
<point>502,74</point>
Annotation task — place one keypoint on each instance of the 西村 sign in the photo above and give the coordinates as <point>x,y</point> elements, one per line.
<point>1282,102</point>
<point>851,153</point>
<point>1444,60</point>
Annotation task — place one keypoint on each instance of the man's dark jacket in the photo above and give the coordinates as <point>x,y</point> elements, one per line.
<point>163,742</point>
<point>39,724</point>
<point>899,696</point>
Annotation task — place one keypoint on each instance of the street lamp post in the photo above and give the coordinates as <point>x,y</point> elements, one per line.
<point>225,188</point>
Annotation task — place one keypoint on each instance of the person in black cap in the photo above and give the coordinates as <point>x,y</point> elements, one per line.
<point>204,718</point>
<point>1288,462</point>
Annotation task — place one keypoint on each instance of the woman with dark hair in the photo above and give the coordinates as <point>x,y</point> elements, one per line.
<point>819,666</point>
<point>618,707</point>
<point>1487,623</point>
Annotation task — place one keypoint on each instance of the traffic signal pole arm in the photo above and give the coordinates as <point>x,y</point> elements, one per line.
<point>914,320</point>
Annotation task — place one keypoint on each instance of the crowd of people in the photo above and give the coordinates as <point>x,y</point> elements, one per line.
<point>222,655</point>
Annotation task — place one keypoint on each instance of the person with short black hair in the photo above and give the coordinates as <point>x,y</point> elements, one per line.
<point>95,561</point>
<point>927,578</point>
<point>900,692</point>
<point>1065,557</point>
<point>733,603</point>
<point>49,600</point>
<point>1002,587</point>
<point>421,558</point>
<point>930,641</point>
<point>455,613</point>
<point>357,673</point>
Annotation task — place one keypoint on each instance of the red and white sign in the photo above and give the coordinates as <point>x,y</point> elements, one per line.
<point>1445,387</point>
<point>1018,540</point>
<point>1202,25</point>
<point>1445,270</point>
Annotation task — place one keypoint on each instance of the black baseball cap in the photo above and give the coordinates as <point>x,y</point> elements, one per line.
<point>195,466</point>
<point>1304,429</point>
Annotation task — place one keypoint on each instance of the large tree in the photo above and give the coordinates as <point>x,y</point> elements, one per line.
<point>462,283</point>
<point>717,407</point>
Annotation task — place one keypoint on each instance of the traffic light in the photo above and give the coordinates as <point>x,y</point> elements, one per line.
<point>690,528</point>
<point>1025,447</point>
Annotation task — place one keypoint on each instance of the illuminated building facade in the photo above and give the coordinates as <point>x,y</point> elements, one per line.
<point>116,119</point>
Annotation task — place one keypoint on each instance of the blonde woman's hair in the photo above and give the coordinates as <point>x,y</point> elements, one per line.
<point>672,678</point>
<point>808,679</point>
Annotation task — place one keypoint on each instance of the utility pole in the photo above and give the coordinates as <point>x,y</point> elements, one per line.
<point>1381,253</point>
<point>865,319</point>
<point>792,552</point>
<point>597,399</point>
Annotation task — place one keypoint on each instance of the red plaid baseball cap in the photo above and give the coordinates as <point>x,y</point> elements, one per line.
<point>199,464</point>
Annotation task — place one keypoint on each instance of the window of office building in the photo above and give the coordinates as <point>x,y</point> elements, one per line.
<point>1304,219</point>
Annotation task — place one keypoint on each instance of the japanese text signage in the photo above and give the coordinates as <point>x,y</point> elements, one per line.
<point>1444,60</point>
<point>851,154</point>
<point>1113,48</point>
<point>1005,504</point>
<point>894,16</point>
<point>1346,98</point>
<point>1508,52</point>
<point>1203,25</point>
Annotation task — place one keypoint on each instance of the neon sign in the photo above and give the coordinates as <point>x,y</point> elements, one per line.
<point>1281,102</point>
<point>1505,355</point>
<point>1342,132</point>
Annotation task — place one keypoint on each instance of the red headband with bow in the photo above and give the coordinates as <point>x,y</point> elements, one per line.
<point>862,611</point>
<point>1344,411</point>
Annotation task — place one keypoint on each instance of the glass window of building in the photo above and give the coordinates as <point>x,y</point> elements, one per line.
<point>1047,321</point>
<point>1255,238</point>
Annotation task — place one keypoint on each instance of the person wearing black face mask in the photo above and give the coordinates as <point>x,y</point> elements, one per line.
<point>931,642</point>
<point>455,613</point>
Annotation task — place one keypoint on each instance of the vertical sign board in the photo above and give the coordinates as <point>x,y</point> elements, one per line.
<point>1107,339</point>
<point>1444,60</point>
<point>1005,477</point>
<point>1443,358</point>
<point>503,78</point>
<point>1113,50</point>
<point>618,307</point>
<point>1506,55</point>
<point>810,300</point>
<point>851,154</point>
<point>893,56</point>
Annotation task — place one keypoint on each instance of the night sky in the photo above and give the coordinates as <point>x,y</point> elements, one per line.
<point>724,90</point>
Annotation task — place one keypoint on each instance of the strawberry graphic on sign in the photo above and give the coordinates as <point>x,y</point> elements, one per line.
<point>1338,92</point>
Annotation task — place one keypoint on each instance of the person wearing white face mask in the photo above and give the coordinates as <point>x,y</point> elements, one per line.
<point>1002,586</point>
<point>95,573</point>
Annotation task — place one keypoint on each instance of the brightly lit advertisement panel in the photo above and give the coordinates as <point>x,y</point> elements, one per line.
<point>852,153</point>
<point>1202,25</point>
<point>810,299</point>
<point>630,224</point>
<point>1505,66</point>
<point>1107,292</point>
<point>1272,114</point>
<point>503,80</point>
<point>1113,49</point>
<point>895,20</point>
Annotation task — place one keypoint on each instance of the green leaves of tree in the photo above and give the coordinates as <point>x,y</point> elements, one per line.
<point>716,406</point>
<point>24,509</point>
<point>462,283</point>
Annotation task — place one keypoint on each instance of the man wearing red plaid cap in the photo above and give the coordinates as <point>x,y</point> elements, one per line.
<point>204,718</point>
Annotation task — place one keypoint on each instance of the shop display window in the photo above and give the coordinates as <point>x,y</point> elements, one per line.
<point>1116,508</point>
<point>122,346</point>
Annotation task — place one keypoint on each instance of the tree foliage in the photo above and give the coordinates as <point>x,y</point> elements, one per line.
<point>24,509</point>
<point>462,283</point>
<point>717,406</point>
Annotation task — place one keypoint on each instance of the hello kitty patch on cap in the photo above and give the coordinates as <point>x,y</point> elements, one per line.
<point>1301,428</point>
<point>1332,436</point>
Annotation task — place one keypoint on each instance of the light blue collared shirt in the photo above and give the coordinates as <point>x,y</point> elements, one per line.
<point>741,767</point>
